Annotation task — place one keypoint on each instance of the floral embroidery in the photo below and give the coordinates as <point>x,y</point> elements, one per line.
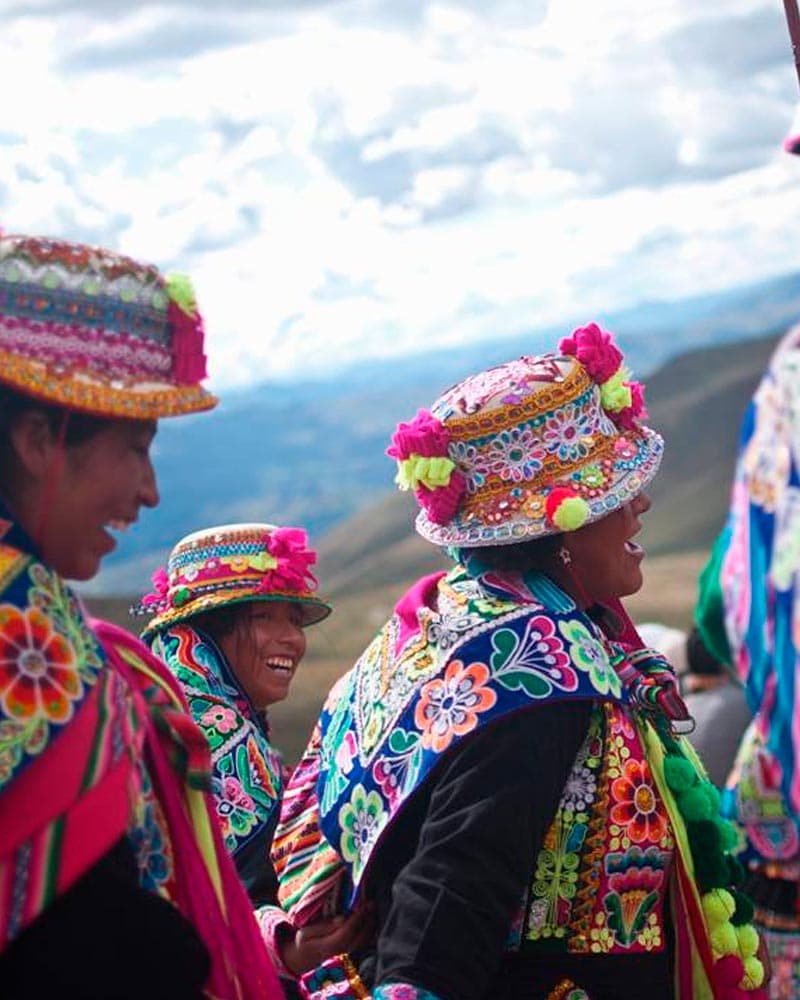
<point>535,663</point>
<point>635,880</point>
<point>38,669</point>
<point>589,655</point>
<point>467,458</point>
<point>235,808</point>
<point>567,432</point>
<point>450,706</point>
<point>515,455</point>
<point>361,820</point>
<point>222,719</point>
<point>636,807</point>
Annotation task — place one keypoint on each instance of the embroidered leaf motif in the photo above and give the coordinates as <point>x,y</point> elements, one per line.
<point>401,742</point>
<point>535,662</point>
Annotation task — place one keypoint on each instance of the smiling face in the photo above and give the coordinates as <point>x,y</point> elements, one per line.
<point>74,495</point>
<point>605,561</point>
<point>264,649</point>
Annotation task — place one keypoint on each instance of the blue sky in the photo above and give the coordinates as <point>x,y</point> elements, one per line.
<point>363,178</point>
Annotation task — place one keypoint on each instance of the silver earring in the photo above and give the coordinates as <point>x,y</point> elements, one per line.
<point>564,555</point>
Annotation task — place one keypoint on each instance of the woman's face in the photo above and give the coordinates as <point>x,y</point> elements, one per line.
<point>265,648</point>
<point>604,558</point>
<point>78,492</point>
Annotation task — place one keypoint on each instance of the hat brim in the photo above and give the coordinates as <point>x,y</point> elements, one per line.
<point>314,608</point>
<point>87,394</point>
<point>630,476</point>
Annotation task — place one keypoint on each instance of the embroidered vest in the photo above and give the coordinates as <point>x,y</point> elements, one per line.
<point>600,880</point>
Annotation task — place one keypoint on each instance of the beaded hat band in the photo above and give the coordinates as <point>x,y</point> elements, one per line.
<point>233,564</point>
<point>94,331</point>
<point>533,447</point>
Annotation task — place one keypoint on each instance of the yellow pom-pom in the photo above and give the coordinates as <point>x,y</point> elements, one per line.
<point>747,939</point>
<point>422,470</point>
<point>753,974</point>
<point>718,907</point>
<point>614,395</point>
<point>571,514</point>
<point>723,939</point>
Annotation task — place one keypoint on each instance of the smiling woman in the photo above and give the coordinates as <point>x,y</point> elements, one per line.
<point>228,619</point>
<point>500,773</point>
<point>108,835</point>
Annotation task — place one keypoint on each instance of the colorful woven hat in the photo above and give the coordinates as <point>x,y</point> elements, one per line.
<point>95,331</point>
<point>232,564</point>
<point>533,447</point>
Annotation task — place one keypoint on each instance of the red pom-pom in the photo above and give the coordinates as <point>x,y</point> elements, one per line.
<point>555,498</point>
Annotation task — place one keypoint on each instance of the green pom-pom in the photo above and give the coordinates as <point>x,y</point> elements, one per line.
<point>736,871</point>
<point>753,974</point>
<point>181,292</point>
<point>728,837</point>
<point>718,907</point>
<point>679,773</point>
<point>744,911</point>
<point>713,795</point>
<point>695,804</point>
<point>723,939</point>
<point>571,514</point>
<point>747,940</point>
<point>180,597</point>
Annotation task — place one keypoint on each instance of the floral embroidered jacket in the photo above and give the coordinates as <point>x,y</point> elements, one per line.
<point>461,652</point>
<point>247,772</point>
<point>95,744</point>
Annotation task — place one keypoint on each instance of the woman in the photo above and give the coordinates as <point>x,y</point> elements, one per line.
<point>231,608</point>
<point>499,773</point>
<point>114,880</point>
<point>752,577</point>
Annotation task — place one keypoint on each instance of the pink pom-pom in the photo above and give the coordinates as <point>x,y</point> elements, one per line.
<point>288,545</point>
<point>596,351</point>
<point>424,435</point>
<point>442,503</point>
<point>728,971</point>
<point>631,415</point>
<point>160,582</point>
<point>189,362</point>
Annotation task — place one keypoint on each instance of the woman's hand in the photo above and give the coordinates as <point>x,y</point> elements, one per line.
<point>312,944</point>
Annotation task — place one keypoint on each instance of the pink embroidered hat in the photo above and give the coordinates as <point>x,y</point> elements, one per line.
<point>232,564</point>
<point>534,447</point>
<point>95,331</point>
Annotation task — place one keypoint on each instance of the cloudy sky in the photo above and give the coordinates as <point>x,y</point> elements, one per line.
<point>373,176</point>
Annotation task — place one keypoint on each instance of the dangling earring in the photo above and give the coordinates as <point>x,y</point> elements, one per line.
<point>564,555</point>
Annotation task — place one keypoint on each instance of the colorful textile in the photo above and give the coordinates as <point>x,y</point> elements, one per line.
<point>96,744</point>
<point>759,571</point>
<point>231,564</point>
<point>460,652</point>
<point>247,772</point>
<point>534,446</point>
<point>92,330</point>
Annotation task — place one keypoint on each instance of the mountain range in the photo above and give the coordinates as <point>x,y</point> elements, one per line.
<point>310,452</point>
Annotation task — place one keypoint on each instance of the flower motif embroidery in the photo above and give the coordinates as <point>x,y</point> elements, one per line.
<point>566,431</point>
<point>592,477</point>
<point>361,820</point>
<point>467,458</point>
<point>636,805</point>
<point>221,718</point>
<point>38,667</point>
<point>515,455</point>
<point>579,791</point>
<point>588,655</point>
<point>235,808</point>
<point>624,449</point>
<point>450,706</point>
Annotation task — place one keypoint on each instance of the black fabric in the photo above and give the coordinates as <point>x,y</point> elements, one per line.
<point>106,938</point>
<point>255,868</point>
<point>453,871</point>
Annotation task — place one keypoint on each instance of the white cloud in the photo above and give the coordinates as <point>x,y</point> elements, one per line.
<point>352,179</point>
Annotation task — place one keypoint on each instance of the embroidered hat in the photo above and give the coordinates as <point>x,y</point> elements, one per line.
<point>95,331</point>
<point>533,447</point>
<point>233,564</point>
